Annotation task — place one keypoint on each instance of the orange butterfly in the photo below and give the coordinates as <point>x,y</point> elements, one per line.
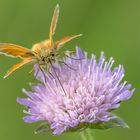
<point>43,53</point>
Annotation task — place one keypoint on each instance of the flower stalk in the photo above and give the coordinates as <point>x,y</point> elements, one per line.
<point>86,135</point>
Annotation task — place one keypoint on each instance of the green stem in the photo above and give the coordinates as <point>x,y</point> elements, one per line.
<point>86,135</point>
<point>83,137</point>
<point>90,136</point>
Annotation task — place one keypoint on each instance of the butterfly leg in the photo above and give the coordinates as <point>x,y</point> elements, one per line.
<point>37,71</point>
<point>42,72</point>
<point>31,71</point>
<point>57,78</point>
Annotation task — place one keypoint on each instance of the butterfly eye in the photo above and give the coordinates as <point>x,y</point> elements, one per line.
<point>43,59</point>
<point>52,54</point>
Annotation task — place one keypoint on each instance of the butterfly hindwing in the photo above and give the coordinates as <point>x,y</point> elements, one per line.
<point>17,66</point>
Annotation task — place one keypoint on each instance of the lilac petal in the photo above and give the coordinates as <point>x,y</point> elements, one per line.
<point>123,96</point>
<point>115,106</point>
<point>58,131</point>
<point>104,116</point>
<point>31,119</point>
<point>26,102</point>
<point>126,95</point>
<point>79,53</point>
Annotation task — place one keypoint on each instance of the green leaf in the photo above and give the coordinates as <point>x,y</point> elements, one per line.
<point>42,128</point>
<point>114,122</point>
<point>119,122</point>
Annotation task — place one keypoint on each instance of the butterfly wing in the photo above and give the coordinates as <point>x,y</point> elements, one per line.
<point>53,23</point>
<point>64,40</point>
<point>17,66</point>
<point>15,50</point>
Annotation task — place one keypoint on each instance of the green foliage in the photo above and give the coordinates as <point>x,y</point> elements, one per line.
<point>42,128</point>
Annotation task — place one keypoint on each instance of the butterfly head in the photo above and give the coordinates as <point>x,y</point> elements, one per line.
<point>45,53</point>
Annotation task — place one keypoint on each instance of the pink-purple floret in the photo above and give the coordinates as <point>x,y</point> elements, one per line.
<point>91,91</point>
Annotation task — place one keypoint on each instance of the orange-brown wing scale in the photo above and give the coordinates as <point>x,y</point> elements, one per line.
<point>15,50</point>
<point>17,66</point>
<point>53,23</point>
<point>64,40</point>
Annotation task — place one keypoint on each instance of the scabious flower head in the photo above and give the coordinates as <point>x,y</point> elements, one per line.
<point>91,91</point>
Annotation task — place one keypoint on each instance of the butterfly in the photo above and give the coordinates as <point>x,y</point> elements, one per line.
<point>43,53</point>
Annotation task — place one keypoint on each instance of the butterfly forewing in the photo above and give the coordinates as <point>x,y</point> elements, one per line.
<point>64,40</point>
<point>53,23</point>
<point>15,50</point>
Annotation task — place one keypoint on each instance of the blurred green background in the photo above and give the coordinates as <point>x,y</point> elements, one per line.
<point>109,25</point>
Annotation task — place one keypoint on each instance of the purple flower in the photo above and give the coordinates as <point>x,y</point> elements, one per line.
<point>89,93</point>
